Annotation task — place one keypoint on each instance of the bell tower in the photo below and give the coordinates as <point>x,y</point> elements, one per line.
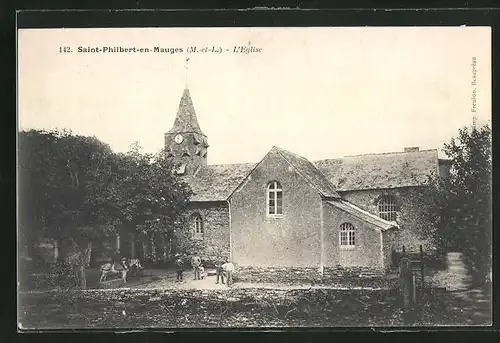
<point>185,142</point>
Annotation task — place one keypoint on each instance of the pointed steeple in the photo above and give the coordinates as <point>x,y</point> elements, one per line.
<point>185,143</point>
<point>186,120</point>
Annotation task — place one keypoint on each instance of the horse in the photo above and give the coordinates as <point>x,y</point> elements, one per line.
<point>135,267</point>
<point>111,268</point>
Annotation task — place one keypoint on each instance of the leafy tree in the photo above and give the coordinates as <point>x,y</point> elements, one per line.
<point>59,176</point>
<point>459,205</point>
<point>153,200</point>
<point>468,206</point>
<point>74,189</point>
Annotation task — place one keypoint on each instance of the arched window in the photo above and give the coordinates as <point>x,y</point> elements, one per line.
<point>387,208</point>
<point>197,224</point>
<point>347,238</point>
<point>274,199</point>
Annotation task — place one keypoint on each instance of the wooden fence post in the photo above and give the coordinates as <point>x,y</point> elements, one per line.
<point>413,288</point>
<point>406,284</point>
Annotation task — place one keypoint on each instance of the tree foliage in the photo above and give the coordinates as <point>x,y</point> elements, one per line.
<point>76,188</point>
<point>460,207</point>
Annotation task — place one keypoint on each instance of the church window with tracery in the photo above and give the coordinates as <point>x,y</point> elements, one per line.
<point>197,224</point>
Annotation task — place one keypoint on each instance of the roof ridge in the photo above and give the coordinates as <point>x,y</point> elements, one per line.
<point>388,224</point>
<point>292,153</point>
<point>389,153</point>
<point>230,164</point>
<point>313,184</point>
<point>367,213</point>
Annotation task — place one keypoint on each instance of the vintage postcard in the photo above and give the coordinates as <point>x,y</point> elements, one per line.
<point>254,177</point>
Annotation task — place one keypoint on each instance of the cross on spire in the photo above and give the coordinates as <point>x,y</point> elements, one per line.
<point>186,73</point>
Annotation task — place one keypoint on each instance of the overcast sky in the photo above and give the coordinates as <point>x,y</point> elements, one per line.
<point>318,92</point>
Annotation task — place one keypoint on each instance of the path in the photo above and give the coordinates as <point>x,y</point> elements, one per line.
<point>167,280</point>
<point>469,306</point>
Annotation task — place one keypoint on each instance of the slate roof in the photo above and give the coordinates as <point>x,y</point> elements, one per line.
<point>217,182</point>
<point>380,171</point>
<point>186,120</point>
<point>373,171</point>
<point>363,215</point>
<point>308,171</point>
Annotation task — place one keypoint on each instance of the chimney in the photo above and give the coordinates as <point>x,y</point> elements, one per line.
<point>412,149</point>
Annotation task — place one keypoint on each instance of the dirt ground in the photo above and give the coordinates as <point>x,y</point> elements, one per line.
<point>166,279</point>
<point>245,307</point>
<point>158,300</point>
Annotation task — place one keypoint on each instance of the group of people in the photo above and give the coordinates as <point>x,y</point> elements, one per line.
<point>223,267</point>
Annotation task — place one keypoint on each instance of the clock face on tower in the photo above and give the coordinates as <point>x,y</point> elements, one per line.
<point>178,139</point>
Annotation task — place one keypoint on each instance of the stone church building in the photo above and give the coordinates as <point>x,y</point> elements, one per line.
<point>288,211</point>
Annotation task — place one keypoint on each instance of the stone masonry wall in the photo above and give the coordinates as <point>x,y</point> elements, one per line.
<point>215,238</point>
<point>366,251</point>
<point>412,217</point>
<point>292,239</point>
<point>357,276</point>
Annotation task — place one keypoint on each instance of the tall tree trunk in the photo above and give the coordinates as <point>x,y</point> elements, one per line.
<point>132,246</point>
<point>56,250</point>
<point>154,256</point>
<point>164,247</point>
<point>79,261</point>
<point>82,277</point>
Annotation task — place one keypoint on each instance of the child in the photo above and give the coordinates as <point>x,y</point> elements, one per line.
<point>202,272</point>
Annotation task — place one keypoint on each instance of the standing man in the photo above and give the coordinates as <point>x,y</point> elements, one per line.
<point>218,268</point>
<point>179,266</point>
<point>196,262</point>
<point>228,268</point>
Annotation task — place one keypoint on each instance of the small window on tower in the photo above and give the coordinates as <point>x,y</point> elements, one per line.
<point>198,151</point>
<point>204,154</point>
<point>185,152</point>
<point>181,170</point>
<point>196,140</point>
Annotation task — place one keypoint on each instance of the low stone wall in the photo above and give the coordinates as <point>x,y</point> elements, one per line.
<point>305,276</point>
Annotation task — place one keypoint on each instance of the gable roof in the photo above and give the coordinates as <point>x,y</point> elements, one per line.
<point>374,171</point>
<point>217,182</point>
<point>309,172</point>
<point>363,215</point>
<point>379,171</point>
<point>186,120</point>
